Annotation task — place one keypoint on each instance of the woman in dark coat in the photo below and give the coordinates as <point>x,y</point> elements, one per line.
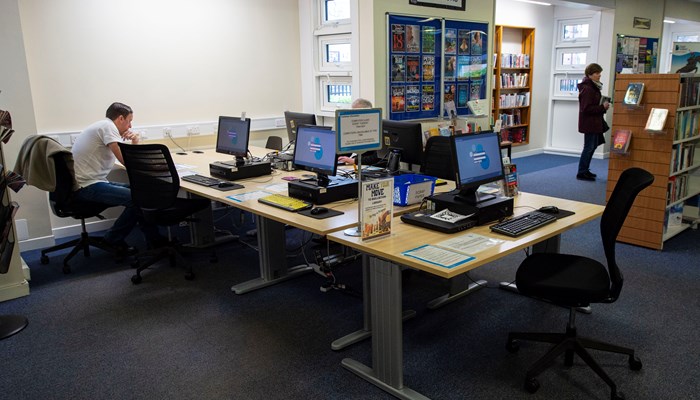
<point>590,119</point>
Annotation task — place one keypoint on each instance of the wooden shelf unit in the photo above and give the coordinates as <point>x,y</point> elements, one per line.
<point>646,222</point>
<point>505,42</point>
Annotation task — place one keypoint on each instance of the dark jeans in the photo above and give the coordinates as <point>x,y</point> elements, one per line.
<point>590,143</point>
<point>118,194</point>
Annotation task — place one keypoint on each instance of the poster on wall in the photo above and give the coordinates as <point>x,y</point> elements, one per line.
<point>422,77</point>
<point>685,57</point>
<point>636,55</point>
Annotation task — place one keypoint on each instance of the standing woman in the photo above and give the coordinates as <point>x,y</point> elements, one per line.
<point>590,119</point>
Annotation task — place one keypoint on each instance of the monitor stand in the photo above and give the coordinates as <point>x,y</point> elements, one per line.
<point>473,197</point>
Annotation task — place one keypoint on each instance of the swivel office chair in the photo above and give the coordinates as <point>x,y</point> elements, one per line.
<point>154,184</point>
<point>437,158</point>
<point>575,281</point>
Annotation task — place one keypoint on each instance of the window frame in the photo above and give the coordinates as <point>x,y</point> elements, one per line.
<point>323,41</point>
<point>573,21</point>
<point>327,80</point>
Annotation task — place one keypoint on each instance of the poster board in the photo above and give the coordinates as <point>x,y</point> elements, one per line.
<point>685,57</point>
<point>636,55</point>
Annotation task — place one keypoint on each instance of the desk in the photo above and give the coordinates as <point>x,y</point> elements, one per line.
<point>385,262</point>
<point>270,220</point>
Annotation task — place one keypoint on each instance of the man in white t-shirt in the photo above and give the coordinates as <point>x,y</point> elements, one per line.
<point>95,151</point>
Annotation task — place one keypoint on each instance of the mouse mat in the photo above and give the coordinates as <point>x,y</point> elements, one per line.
<point>563,214</point>
<point>330,213</point>
<point>226,189</point>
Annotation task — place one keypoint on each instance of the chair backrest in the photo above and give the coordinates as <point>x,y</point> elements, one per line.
<point>274,143</point>
<point>437,158</point>
<point>60,198</point>
<point>630,183</point>
<point>153,178</point>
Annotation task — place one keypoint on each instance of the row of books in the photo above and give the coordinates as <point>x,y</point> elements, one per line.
<point>687,124</point>
<point>514,80</point>
<point>677,188</point>
<point>673,217</point>
<point>515,60</point>
<point>517,135</point>
<point>514,100</point>
<point>511,119</point>
<point>690,92</point>
<point>682,156</point>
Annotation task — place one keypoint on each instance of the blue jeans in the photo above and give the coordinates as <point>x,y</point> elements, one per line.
<point>590,143</point>
<point>118,194</point>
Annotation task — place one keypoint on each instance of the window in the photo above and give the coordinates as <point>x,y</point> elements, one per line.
<point>335,52</point>
<point>335,11</point>
<point>565,85</point>
<point>336,92</point>
<point>687,37</point>
<point>572,58</point>
<point>576,30</point>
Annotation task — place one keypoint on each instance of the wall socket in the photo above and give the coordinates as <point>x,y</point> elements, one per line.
<point>73,138</point>
<point>193,130</point>
<point>167,131</point>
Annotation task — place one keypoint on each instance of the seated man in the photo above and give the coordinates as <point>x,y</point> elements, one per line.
<point>94,152</point>
<point>370,157</point>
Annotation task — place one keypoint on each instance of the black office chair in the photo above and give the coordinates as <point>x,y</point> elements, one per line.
<point>575,281</point>
<point>154,184</point>
<point>274,143</point>
<point>437,158</point>
<point>64,205</point>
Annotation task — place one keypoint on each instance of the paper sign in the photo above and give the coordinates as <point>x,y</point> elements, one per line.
<point>377,207</point>
<point>358,130</point>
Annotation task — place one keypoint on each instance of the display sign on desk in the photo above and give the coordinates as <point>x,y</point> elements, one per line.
<point>358,130</point>
<point>377,207</point>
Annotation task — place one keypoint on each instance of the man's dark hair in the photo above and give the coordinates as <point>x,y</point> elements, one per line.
<point>117,109</point>
<point>592,69</point>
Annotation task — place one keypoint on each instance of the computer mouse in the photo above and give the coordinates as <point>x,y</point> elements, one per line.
<point>318,210</point>
<point>225,184</point>
<point>549,209</point>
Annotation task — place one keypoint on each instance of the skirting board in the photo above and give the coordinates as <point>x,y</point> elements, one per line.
<point>64,231</point>
<point>14,290</point>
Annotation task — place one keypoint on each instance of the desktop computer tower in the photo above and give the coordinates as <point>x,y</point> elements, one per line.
<point>485,211</point>
<point>233,172</point>
<point>308,190</point>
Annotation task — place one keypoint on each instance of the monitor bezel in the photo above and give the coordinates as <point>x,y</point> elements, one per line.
<point>388,142</point>
<point>318,171</point>
<point>466,189</point>
<point>221,150</point>
<point>295,116</point>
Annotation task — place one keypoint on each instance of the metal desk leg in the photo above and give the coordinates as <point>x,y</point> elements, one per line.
<point>460,286</point>
<point>387,337</point>
<point>273,262</point>
<point>202,232</point>
<point>366,331</point>
<point>551,245</point>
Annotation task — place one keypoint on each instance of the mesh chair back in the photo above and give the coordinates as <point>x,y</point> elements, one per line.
<point>437,158</point>
<point>60,198</point>
<point>631,182</point>
<point>153,178</point>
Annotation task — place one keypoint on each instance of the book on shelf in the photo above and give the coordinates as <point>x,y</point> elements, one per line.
<point>621,141</point>
<point>656,120</point>
<point>633,95</point>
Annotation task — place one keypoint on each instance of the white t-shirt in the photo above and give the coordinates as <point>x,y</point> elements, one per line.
<point>93,159</point>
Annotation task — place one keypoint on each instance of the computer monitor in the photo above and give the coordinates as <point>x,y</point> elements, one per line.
<point>232,137</point>
<point>294,120</point>
<point>404,137</point>
<point>477,161</point>
<point>315,151</point>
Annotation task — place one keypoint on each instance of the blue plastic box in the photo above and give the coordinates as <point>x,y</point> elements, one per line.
<point>412,188</point>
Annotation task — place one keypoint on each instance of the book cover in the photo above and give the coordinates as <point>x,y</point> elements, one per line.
<point>477,107</point>
<point>398,99</point>
<point>428,68</point>
<point>463,67</point>
<point>450,41</point>
<point>462,95</point>
<point>633,95</point>
<point>475,89</point>
<point>377,207</point>
<point>412,98</point>
<point>656,120</point>
<point>476,44</point>
<point>428,98</point>
<point>398,68</point>
<point>412,68</point>
<point>450,67</point>
<point>450,90</point>
<point>398,38</point>
<point>413,38</point>
<point>464,39</point>
<point>429,33</point>
<point>621,141</point>
<point>510,180</point>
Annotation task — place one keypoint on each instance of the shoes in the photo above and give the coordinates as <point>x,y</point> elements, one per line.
<point>585,176</point>
<point>592,174</point>
<point>121,248</point>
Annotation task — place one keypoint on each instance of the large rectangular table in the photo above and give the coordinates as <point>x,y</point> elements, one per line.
<point>385,261</point>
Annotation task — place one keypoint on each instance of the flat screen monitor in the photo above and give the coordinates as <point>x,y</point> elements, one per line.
<point>477,161</point>
<point>294,120</point>
<point>315,151</point>
<point>404,137</point>
<point>232,137</point>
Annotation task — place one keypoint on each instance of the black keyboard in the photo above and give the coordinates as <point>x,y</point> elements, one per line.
<point>201,180</point>
<point>521,224</point>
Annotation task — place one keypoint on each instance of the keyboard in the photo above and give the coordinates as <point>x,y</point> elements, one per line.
<point>201,180</point>
<point>285,202</point>
<point>521,224</point>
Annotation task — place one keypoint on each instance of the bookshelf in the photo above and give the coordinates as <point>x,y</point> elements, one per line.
<point>657,214</point>
<point>512,81</point>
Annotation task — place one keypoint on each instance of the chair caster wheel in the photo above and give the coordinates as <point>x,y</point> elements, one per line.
<point>136,279</point>
<point>189,276</point>
<point>617,396</point>
<point>44,259</point>
<point>66,269</point>
<point>135,264</point>
<point>635,364</point>
<point>512,346</point>
<point>532,385</point>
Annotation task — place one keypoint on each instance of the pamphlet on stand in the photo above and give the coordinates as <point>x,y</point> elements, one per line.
<point>657,120</point>
<point>377,202</point>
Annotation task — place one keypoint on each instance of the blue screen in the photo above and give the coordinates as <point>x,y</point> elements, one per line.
<point>232,136</point>
<point>478,158</point>
<point>315,149</point>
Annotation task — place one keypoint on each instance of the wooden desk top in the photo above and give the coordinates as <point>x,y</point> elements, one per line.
<point>317,226</point>
<point>405,237</point>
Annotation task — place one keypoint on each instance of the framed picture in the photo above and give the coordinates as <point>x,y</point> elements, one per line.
<point>641,23</point>
<point>449,4</point>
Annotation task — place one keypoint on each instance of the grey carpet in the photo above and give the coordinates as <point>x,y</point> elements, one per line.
<point>94,335</point>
